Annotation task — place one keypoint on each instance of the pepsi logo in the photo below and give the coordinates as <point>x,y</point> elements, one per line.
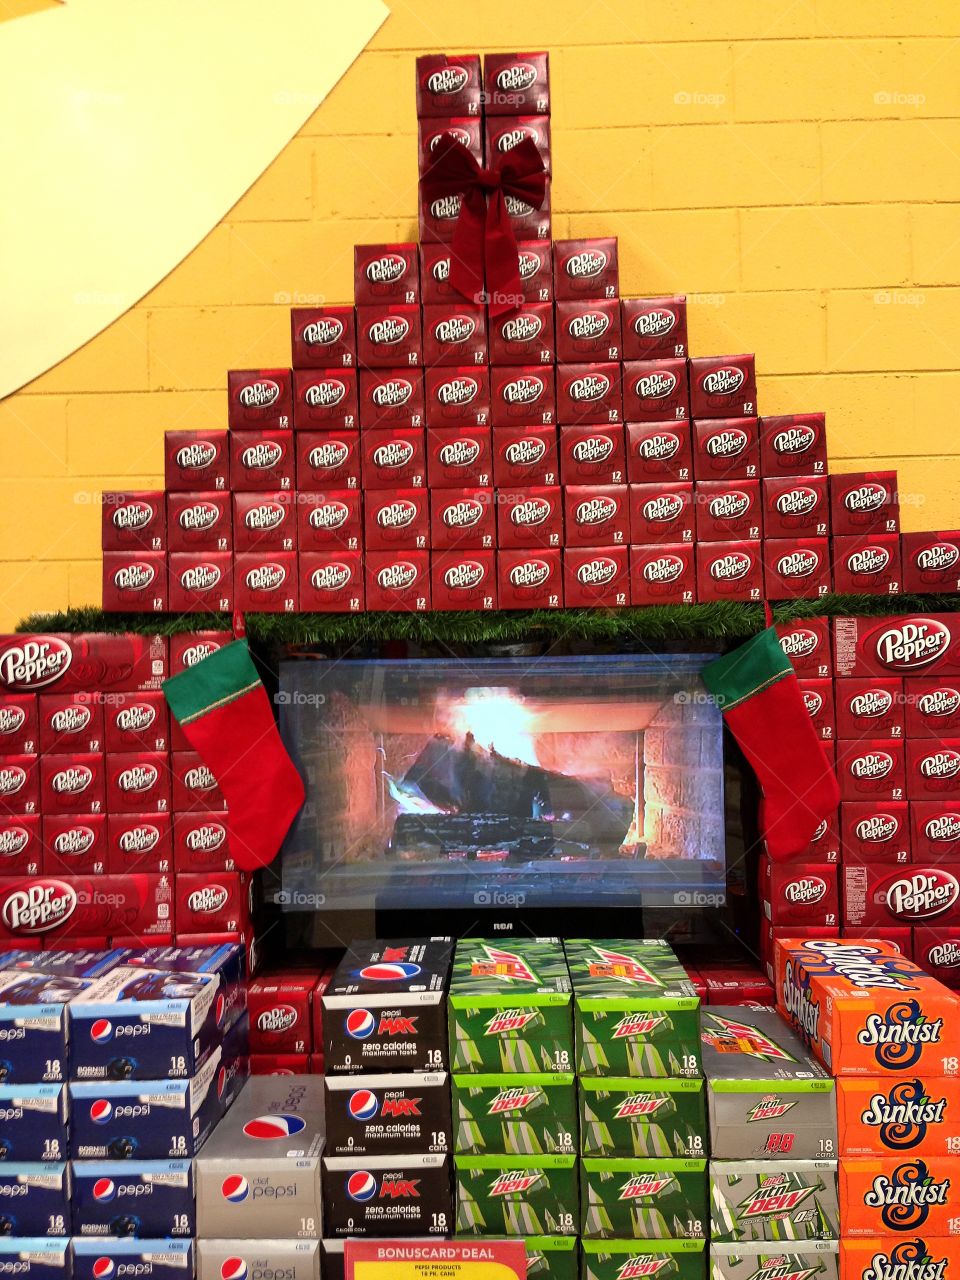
<point>270,1128</point>
<point>101,1031</point>
<point>234,1188</point>
<point>359,1024</point>
<point>103,1268</point>
<point>101,1111</point>
<point>233,1269</point>
<point>363,1104</point>
<point>361,1186</point>
<point>104,1189</point>
<point>389,971</point>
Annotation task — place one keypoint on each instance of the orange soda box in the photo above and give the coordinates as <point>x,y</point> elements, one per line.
<point>884,1257</point>
<point>891,1116</point>
<point>865,1009</point>
<point>899,1196</point>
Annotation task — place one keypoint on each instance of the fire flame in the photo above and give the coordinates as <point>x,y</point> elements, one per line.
<point>499,721</point>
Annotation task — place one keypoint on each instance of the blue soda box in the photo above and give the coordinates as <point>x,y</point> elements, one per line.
<point>71,964</point>
<point>34,1199</point>
<point>227,961</point>
<point>148,1198</point>
<point>33,1122</point>
<point>113,1259</point>
<point>34,1258</point>
<point>34,1025</point>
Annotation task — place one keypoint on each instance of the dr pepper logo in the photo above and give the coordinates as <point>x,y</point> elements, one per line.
<point>923,894</point>
<point>912,643</point>
<point>259,395</point>
<point>386,269</point>
<point>585,265</point>
<point>38,907</point>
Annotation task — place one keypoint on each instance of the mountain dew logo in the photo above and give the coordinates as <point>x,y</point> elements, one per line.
<point>637,1024</point>
<point>646,1265</point>
<point>783,1267</point>
<point>509,1020</point>
<point>643,1185</point>
<point>515,1183</point>
<point>749,1039</point>
<point>774,1196</point>
<point>512,1100</point>
<point>505,965</point>
<point>640,1104</point>
<point>612,964</point>
<point>770,1108</point>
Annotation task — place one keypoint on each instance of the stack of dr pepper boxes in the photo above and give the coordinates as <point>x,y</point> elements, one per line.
<point>514,1098</point>
<point>386,1170</point>
<point>888,1033</point>
<point>643,1169</point>
<point>773,1147</point>
<point>286,1023</point>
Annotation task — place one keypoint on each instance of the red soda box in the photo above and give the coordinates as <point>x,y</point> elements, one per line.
<point>467,130</point>
<point>386,273</point>
<point>259,400</point>
<point>529,579</point>
<point>906,644</point>
<point>457,397</point>
<point>264,521</point>
<point>323,337</point>
<point>196,461</point>
<point>448,85</point>
<point>592,455</point>
<point>729,571</point>
<point>437,217</point>
<point>194,788</point>
<point>330,521</point>
<point>283,1064</point>
<point>868,564</point>
<point>795,506</point>
<point>876,896</point>
<point>124,908</point>
<point>134,582</point>
<point>586,269</point>
<point>328,460</point>
<point>938,952</point>
<point>654,328</point>
<point>796,568</point>
<point>528,222</point>
<point>391,398</point>
<point>931,562</point>
<point>280,1009</point>
<point>133,521</point>
<point>70,722</point>
<point>389,337</point>
<point>588,329</point>
<point>531,517</point>
<point>262,460</point>
<point>933,768</point>
<point>73,783</point>
<point>435,283</point>
<point>817,696</point>
<point>63,663</point>
<point>596,577</point>
<point>20,784</point>
<point>138,782</point>
<point>935,830</point>
<point>655,391</point>
<point>875,831</point>
<point>864,502</point>
<point>139,842</point>
<point>21,846</point>
<point>392,457</point>
<point>458,456</point>
<point>199,521</point>
<point>535,262</point>
<point>516,83</point>
<point>525,456</point>
<point>206,901</point>
<point>265,581</point>
<point>727,510</point>
<point>462,520</point>
<point>799,893</point>
<point>325,400</point>
<point>726,449</point>
<point>200,582</point>
<point>794,444</point>
<point>19,724</point>
<point>398,581</point>
<point>871,769</point>
<point>589,393</point>
<point>661,513</point>
<point>807,644</point>
<point>187,648</point>
<point>825,844</point>
<point>201,842</point>
<point>869,707</point>
<point>331,582</point>
<point>932,708</point>
<point>75,844</point>
<point>659,451</point>
<point>463,579</point>
<point>396,518</point>
<point>723,387</point>
<point>503,133</point>
<point>522,396</point>
<point>665,574</point>
<point>525,336</point>
<point>597,515</point>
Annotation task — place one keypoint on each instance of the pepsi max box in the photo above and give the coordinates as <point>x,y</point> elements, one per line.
<point>385,1007</point>
<point>374,1115</point>
<point>258,1260</point>
<point>391,1196</point>
<point>34,1024</point>
<point>146,1198</point>
<point>33,1122</point>
<point>117,1259</point>
<point>34,1199</point>
<point>35,1258</point>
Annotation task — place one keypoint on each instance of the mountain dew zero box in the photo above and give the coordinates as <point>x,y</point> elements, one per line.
<point>762,1260</point>
<point>512,1115</point>
<point>368,1114</point>
<point>510,1007</point>
<point>626,1117</point>
<point>643,1199</point>
<point>258,1260</point>
<point>34,1199</point>
<point>635,1010</point>
<point>774,1200</point>
<point>147,1198</point>
<point>517,1195</point>
<point>111,1257</point>
<point>767,1095</point>
<point>389,1196</point>
<point>35,1258</point>
<point>549,1257</point>
<point>642,1259</point>
<point>33,1024</point>
<point>33,1122</point>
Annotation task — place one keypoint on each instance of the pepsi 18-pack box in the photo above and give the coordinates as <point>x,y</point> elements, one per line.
<point>115,1258</point>
<point>35,1258</point>
<point>150,1199</point>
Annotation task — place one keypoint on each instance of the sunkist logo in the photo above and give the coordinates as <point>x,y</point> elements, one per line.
<point>903,1114</point>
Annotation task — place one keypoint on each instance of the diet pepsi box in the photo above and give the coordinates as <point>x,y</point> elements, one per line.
<point>385,1007</point>
<point>118,1259</point>
<point>380,1115</point>
<point>149,1198</point>
<point>33,1025</point>
<point>226,961</point>
<point>33,1122</point>
<point>387,1196</point>
<point>258,1260</point>
<point>34,1258</point>
<point>35,1199</point>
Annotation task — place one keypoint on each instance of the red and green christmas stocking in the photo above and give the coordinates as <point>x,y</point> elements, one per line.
<point>757,691</point>
<point>223,710</point>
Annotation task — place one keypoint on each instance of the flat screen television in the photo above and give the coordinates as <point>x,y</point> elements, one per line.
<point>496,793</point>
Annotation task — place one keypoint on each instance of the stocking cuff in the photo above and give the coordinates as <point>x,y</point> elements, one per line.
<point>221,677</point>
<point>749,669</point>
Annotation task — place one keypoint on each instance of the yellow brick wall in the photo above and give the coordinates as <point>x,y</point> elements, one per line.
<point>792,165</point>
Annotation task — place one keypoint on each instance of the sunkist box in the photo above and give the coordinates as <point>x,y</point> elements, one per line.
<point>517,1195</point>
<point>626,1117</point>
<point>886,1258</point>
<point>774,1200</point>
<point>639,1259</point>
<point>527,1115</point>
<point>887,1115</point>
<point>643,1199</point>
<point>897,1194</point>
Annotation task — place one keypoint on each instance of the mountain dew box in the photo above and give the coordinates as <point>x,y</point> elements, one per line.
<point>627,1117</point>
<point>774,1200</point>
<point>643,1199</point>
<point>642,1259</point>
<point>759,1260</point>
<point>511,1116</point>
<point>510,1008</point>
<point>766,1093</point>
<point>517,1195</point>
<point>549,1257</point>
<point>635,1010</point>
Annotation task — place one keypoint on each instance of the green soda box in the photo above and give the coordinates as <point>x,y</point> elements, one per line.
<point>510,1008</point>
<point>517,1195</point>
<point>643,1259</point>
<point>643,1199</point>
<point>760,1260</point>
<point>513,1115</point>
<point>636,1011</point>
<point>626,1117</point>
<point>550,1257</point>
<point>774,1200</point>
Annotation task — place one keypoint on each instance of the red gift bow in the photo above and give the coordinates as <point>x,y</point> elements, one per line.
<point>484,243</point>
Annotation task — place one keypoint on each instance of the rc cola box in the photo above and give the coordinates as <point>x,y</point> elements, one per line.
<point>265,1156</point>
<point>34,1199</point>
<point>643,1199</point>
<point>898,1116</point>
<point>626,1259</point>
<point>529,1115</point>
<point>384,1115</point>
<point>385,1007</point>
<point>766,1093</point>
<point>35,1258</point>
<point>160,1259</point>
<point>510,1008</point>
<point>636,1011</point>
<point>886,1258</point>
<point>147,1198</point>
<point>391,1196</point>
<point>656,1119</point>
<point>517,1195</point>
<point>34,1040</point>
<point>774,1200</point>
<point>258,1260</point>
<point>758,1260</point>
<point>33,1123</point>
